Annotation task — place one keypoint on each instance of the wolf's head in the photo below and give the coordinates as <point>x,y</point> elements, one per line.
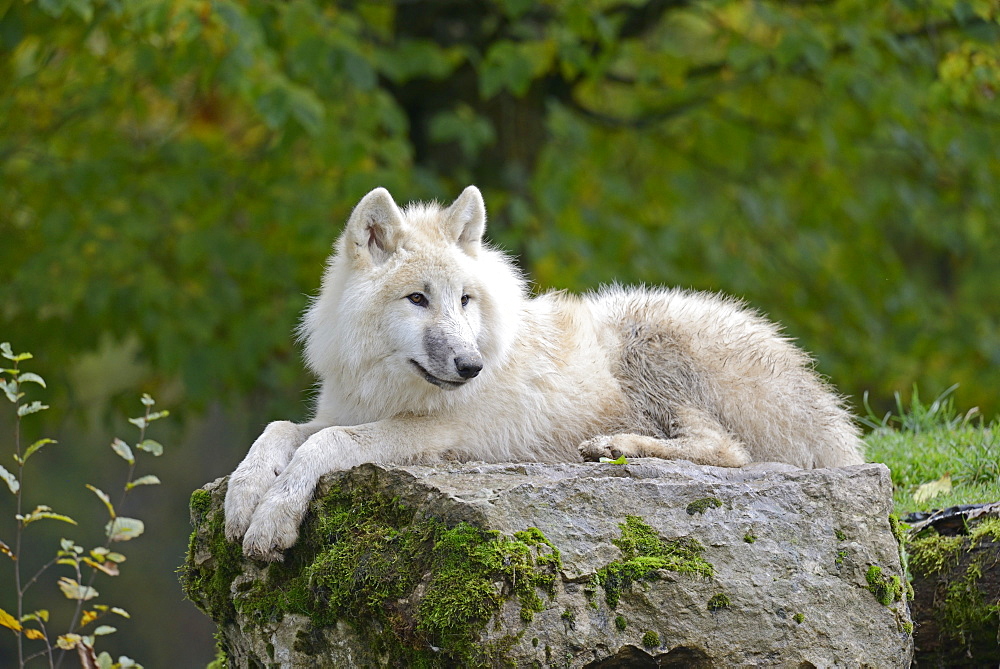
<point>413,303</point>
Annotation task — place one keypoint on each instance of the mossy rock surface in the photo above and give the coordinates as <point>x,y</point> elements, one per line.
<point>542,565</point>
<point>956,604</point>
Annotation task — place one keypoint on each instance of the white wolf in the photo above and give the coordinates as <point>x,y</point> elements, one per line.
<point>429,348</point>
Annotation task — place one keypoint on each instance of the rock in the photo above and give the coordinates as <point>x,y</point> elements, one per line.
<point>653,563</point>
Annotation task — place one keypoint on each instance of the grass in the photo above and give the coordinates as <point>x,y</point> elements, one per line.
<point>924,443</point>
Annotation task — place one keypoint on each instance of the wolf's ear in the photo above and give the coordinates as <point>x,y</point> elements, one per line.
<point>375,228</point>
<point>465,220</point>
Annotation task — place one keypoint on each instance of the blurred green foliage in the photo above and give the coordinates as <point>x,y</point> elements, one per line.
<point>173,173</point>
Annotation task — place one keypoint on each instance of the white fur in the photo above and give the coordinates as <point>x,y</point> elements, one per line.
<point>641,372</point>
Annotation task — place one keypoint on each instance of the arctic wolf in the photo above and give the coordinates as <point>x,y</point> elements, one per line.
<point>428,347</point>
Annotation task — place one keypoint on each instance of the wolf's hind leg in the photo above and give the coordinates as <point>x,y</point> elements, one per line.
<point>699,438</point>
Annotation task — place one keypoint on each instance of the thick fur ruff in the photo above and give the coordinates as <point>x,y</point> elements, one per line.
<point>428,347</point>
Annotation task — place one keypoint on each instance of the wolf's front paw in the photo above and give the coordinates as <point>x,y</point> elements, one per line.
<point>242,498</point>
<point>594,449</point>
<point>275,525</point>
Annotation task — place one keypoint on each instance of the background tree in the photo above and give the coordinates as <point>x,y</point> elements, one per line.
<point>173,172</point>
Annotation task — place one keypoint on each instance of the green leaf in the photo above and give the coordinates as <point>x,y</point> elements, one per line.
<point>514,65</point>
<point>104,498</point>
<point>148,479</point>
<point>621,460</point>
<point>35,446</point>
<point>10,390</point>
<point>6,352</point>
<point>10,479</point>
<point>40,614</point>
<point>105,629</point>
<point>123,450</point>
<point>74,590</point>
<point>31,377</point>
<point>42,512</point>
<point>150,446</point>
<point>34,407</point>
<point>104,661</point>
<point>122,612</point>
<point>124,529</point>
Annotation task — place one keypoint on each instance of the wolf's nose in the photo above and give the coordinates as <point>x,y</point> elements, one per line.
<point>468,366</point>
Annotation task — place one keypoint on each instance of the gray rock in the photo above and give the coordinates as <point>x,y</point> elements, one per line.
<point>790,582</point>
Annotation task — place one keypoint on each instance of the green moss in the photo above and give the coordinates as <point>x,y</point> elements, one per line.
<point>799,618</point>
<point>887,589</point>
<point>964,608</point>
<point>962,612</point>
<point>987,529</point>
<point>644,553</point>
<point>839,560</point>
<point>840,535</point>
<point>932,553</point>
<point>750,537</point>
<point>703,504</point>
<point>201,502</point>
<point>620,623</point>
<point>414,589</point>
<point>650,639</point>
<point>719,601</point>
<point>208,584</point>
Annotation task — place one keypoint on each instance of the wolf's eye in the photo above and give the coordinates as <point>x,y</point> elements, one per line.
<point>418,299</point>
<point>465,300</point>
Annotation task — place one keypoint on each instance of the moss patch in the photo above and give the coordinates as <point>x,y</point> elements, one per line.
<point>703,504</point>
<point>719,601</point>
<point>953,567</point>
<point>887,589</point>
<point>208,584</point>
<point>932,553</point>
<point>650,639</point>
<point>414,589</point>
<point>644,553</point>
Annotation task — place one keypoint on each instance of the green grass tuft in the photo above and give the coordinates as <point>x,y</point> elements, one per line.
<point>922,443</point>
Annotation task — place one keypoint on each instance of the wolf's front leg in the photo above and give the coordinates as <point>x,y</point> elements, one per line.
<point>275,524</point>
<point>266,459</point>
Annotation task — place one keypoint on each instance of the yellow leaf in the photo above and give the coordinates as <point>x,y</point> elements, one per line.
<point>68,641</point>
<point>109,568</point>
<point>926,491</point>
<point>9,621</point>
<point>88,617</point>
<point>32,633</point>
